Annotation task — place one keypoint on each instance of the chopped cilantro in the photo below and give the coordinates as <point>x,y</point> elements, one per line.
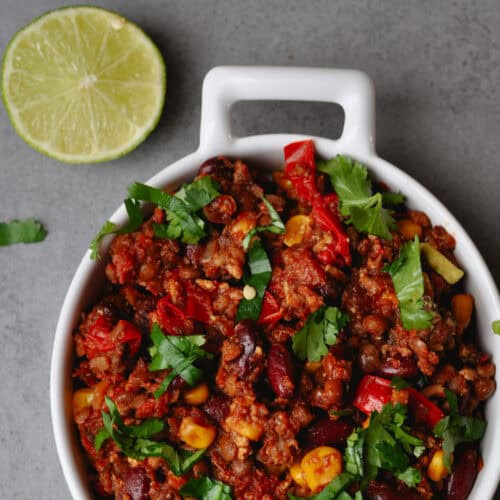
<point>205,488</point>
<point>135,218</point>
<point>455,429</point>
<point>320,331</point>
<point>364,209</point>
<point>495,326</point>
<point>335,490</point>
<point>21,231</point>
<point>178,353</point>
<point>258,277</point>
<point>408,281</point>
<point>134,440</point>
<point>385,444</point>
<point>276,225</point>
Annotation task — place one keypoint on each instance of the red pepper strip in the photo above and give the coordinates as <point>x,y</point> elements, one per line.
<point>300,169</point>
<point>372,394</point>
<point>425,411</point>
<point>270,313</point>
<point>131,335</point>
<point>339,251</point>
<point>170,316</point>
<point>198,303</point>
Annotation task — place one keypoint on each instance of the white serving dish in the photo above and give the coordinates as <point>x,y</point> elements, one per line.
<point>222,87</point>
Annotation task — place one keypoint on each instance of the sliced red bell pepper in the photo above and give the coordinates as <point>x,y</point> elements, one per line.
<point>171,317</point>
<point>270,312</point>
<point>372,394</point>
<point>425,411</point>
<point>300,169</point>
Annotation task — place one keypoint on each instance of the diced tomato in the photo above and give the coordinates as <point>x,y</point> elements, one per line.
<point>425,411</point>
<point>372,394</point>
<point>131,335</point>
<point>300,169</point>
<point>98,339</point>
<point>171,317</point>
<point>198,304</point>
<point>270,313</point>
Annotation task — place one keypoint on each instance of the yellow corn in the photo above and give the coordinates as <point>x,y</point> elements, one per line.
<point>196,433</point>
<point>312,366</point>
<point>436,471</point>
<point>298,474</point>
<point>409,229</point>
<point>321,465</point>
<point>198,395</point>
<point>82,398</point>
<point>462,305</point>
<point>295,229</point>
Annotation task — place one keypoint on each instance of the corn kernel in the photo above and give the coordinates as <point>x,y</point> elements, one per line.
<point>82,398</point>
<point>321,465</point>
<point>436,471</point>
<point>312,366</point>
<point>196,433</point>
<point>462,305</point>
<point>250,430</point>
<point>295,229</point>
<point>197,396</point>
<point>298,474</point>
<point>282,181</point>
<point>409,229</point>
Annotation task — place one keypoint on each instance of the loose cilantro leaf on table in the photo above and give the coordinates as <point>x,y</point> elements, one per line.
<point>21,231</point>
<point>133,440</point>
<point>320,331</point>
<point>178,353</point>
<point>205,488</point>
<point>276,226</point>
<point>135,218</point>
<point>353,187</point>
<point>455,429</point>
<point>335,490</point>
<point>385,444</point>
<point>258,276</point>
<point>408,281</point>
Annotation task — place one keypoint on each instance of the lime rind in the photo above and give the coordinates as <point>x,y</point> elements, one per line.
<point>105,154</point>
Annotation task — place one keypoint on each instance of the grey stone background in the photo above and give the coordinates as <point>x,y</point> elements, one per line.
<point>436,66</point>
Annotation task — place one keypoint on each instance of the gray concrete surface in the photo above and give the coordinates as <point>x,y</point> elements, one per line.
<point>436,66</point>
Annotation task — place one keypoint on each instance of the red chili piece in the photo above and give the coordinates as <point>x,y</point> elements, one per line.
<point>425,411</point>
<point>270,313</point>
<point>170,316</point>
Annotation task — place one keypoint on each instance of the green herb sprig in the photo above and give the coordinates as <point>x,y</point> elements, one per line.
<point>21,231</point>
<point>205,488</point>
<point>276,226</point>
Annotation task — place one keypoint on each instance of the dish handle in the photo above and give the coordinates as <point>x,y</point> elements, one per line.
<point>351,89</point>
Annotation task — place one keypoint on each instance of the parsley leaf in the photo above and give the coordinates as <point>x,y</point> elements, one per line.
<point>135,218</point>
<point>385,444</point>
<point>365,209</point>
<point>258,277</point>
<point>408,281</point>
<point>455,429</point>
<point>276,226</point>
<point>205,488</point>
<point>178,353</point>
<point>334,489</point>
<point>133,440</point>
<point>392,199</point>
<point>183,222</point>
<point>320,331</point>
<point>495,326</point>
<point>21,231</point>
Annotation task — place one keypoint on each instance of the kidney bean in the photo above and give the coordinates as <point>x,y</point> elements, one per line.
<point>378,490</point>
<point>220,168</point>
<point>368,358</point>
<point>280,371</point>
<point>326,432</point>
<point>245,331</point>
<point>402,367</point>
<point>136,483</point>
<point>217,407</point>
<point>463,476</point>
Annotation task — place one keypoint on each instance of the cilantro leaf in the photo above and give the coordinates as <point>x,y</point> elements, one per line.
<point>258,277</point>
<point>205,488</point>
<point>333,490</point>
<point>320,331</point>
<point>276,226</point>
<point>455,429</point>
<point>365,209</point>
<point>495,326</point>
<point>385,444</point>
<point>133,440</point>
<point>21,231</point>
<point>199,193</point>
<point>178,353</point>
<point>135,218</point>
<point>392,199</point>
<point>408,281</point>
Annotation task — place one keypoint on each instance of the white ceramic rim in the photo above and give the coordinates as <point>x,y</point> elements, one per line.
<point>222,87</point>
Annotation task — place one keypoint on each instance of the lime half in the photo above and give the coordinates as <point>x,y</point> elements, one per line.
<point>83,85</point>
